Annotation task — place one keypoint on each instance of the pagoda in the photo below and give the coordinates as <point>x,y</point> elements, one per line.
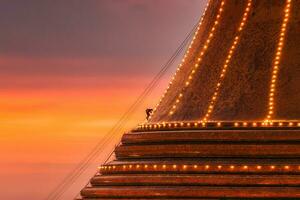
<point>228,124</point>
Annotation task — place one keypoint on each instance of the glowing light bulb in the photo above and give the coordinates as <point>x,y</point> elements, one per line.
<point>258,167</point>
<point>272,167</point>
<point>286,167</point>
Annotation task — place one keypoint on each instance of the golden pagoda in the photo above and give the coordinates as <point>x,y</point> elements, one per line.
<point>228,124</point>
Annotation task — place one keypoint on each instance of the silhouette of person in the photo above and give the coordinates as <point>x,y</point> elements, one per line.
<point>148,112</point>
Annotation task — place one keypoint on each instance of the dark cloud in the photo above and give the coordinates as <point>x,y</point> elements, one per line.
<point>93,28</point>
<point>142,31</point>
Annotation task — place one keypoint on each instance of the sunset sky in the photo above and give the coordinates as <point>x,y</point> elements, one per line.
<point>68,70</point>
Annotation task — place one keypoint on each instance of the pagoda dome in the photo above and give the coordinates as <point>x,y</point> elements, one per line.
<point>243,64</point>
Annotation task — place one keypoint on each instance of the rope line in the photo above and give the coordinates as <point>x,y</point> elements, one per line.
<point>65,184</point>
<point>105,162</point>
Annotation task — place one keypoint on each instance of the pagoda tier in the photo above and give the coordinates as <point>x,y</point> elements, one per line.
<point>202,163</point>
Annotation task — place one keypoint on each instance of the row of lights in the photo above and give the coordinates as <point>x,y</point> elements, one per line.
<point>277,60</point>
<point>182,61</point>
<point>204,124</point>
<point>199,59</point>
<point>227,61</point>
<point>198,167</point>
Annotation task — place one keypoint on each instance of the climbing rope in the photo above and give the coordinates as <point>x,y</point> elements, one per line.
<point>72,176</point>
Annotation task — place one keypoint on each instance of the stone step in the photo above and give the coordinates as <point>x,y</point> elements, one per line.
<point>215,161</point>
<point>189,192</point>
<point>208,151</point>
<point>195,179</point>
<point>194,136</point>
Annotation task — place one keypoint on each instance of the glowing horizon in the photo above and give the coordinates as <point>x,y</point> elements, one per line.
<point>67,73</point>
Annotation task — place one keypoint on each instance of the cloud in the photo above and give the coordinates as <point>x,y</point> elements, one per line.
<point>74,67</point>
<point>113,28</point>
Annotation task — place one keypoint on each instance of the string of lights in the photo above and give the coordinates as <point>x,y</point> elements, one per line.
<point>277,60</point>
<point>200,168</point>
<point>182,61</point>
<point>227,61</point>
<point>223,124</point>
<point>199,59</point>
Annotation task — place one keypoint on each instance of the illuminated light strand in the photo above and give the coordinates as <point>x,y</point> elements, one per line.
<point>277,60</point>
<point>197,167</point>
<point>227,61</point>
<point>198,59</point>
<point>182,61</point>
<point>220,124</point>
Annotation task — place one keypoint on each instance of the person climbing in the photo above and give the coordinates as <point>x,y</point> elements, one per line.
<point>148,112</point>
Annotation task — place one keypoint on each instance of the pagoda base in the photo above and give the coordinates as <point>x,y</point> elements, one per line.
<point>202,164</point>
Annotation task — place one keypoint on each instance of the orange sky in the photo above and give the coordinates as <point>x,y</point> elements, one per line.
<point>68,71</point>
<point>49,129</point>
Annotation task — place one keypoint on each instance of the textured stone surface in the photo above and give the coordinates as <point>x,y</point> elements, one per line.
<point>245,89</point>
